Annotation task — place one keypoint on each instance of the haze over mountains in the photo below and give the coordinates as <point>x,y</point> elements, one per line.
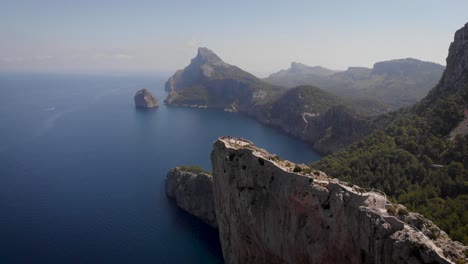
<point>388,86</point>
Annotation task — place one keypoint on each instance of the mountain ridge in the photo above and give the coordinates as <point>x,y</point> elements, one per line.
<point>394,83</point>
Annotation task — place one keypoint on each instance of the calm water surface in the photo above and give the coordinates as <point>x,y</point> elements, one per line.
<point>82,171</point>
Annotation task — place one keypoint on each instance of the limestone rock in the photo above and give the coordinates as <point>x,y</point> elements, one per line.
<point>212,83</point>
<point>144,99</point>
<point>203,66</point>
<point>266,213</point>
<point>193,193</point>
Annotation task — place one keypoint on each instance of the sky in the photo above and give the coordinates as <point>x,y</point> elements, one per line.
<point>262,37</point>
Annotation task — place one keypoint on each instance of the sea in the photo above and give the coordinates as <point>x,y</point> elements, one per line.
<point>82,171</point>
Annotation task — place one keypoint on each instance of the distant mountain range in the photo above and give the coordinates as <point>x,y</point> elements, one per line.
<point>389,85</point>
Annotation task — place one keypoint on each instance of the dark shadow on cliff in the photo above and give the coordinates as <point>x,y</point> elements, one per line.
<point>206,233</point>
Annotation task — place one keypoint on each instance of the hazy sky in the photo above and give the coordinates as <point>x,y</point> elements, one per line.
<point>258,36</point>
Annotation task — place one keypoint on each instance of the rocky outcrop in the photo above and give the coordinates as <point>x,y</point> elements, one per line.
<point>267,213</point>
<point>455,77</point>
<point>203,66</point>
<point>193,192</point>
<point>210,82</point>
<point>144,99</point>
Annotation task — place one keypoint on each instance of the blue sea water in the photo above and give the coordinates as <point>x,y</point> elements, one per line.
<point>82,171</point>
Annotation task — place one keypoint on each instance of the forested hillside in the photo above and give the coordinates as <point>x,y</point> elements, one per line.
<point>412,158</point>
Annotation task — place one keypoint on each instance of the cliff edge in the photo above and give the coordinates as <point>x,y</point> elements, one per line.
<point>193,192</point>
<point>267,213</point>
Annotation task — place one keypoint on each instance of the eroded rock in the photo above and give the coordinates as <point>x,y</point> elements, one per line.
<point>144,99</point>
<point>193,193</point>
<point>266,213</point>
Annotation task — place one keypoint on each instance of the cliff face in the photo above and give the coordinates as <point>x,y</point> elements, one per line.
<point>455,77</point>
<point>193,193</point>
<point>144,99</point>
<point>268,214</point>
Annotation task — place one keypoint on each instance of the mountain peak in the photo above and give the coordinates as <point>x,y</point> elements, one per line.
<point>204,67</point>
<point>298,67</point>
<point>207,55</point>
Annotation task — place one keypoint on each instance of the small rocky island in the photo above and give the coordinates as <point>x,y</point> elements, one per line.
<point>144,99</point>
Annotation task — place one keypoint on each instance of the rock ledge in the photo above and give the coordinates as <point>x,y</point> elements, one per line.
<point>267,213</point>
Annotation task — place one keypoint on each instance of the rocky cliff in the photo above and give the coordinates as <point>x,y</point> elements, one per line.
<point>193,192</point>
<point>267,213</point>
<point>144,99</point>
<point>455,77</point>
<point>210,82</point>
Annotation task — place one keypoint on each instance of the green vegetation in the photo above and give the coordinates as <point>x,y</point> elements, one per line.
<point>297,169</point>
<point>412,160</point>
<point>303,99</point>
<point>193,95</point>
<point>391,210</point>
<point>276,158</point>
<point>193,168</point>
<point>403,211</point>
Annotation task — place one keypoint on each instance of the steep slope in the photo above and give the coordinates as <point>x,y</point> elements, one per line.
<point>412,158</point>
<point>273,211</point>
<point>209,82</point>
<point>390,84</point>
<point>191,188</point>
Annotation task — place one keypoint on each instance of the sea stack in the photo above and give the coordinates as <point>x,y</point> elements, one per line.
<point>144,99</point>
